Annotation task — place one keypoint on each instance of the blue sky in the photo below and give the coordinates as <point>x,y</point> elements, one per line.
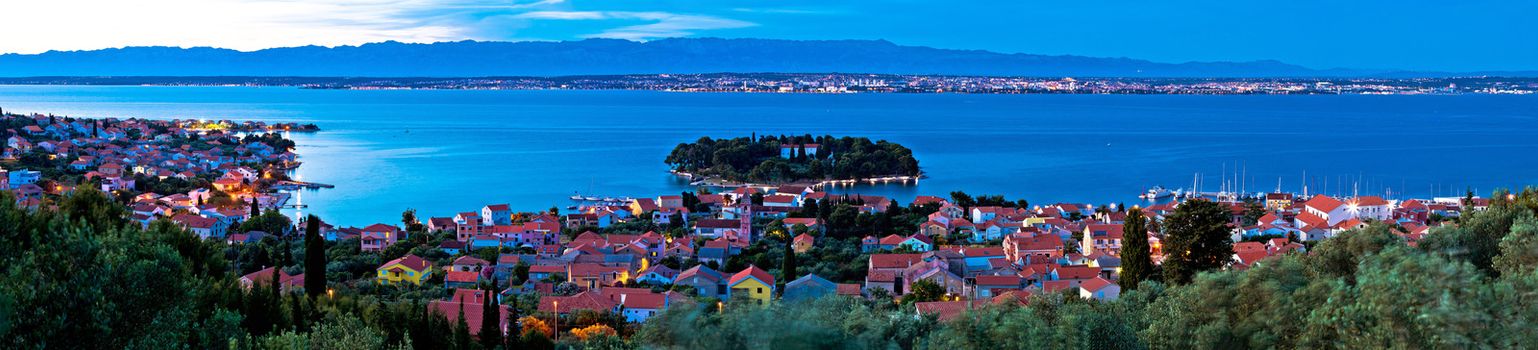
<point>1409,34</point>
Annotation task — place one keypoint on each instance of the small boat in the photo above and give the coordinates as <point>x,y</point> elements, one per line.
<point>1156,192</point>
<point>576,197</point>
<point>573,207</point>
<point>595,199</point>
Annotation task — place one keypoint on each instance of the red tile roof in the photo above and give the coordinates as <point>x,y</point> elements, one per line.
<point>380,228</point>
<point>1369,201</point>
<point>894,261</point>
<point>1096,284</point>
<point>946,310</point>
<point>587,300</point>
<point>461,276</point>
<point>1249,247</point>
<point>1076,272</point>
<point>1323,203</point>
<point>851,289</point>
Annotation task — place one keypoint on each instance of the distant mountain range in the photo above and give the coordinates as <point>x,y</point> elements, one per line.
<point>610,56</point>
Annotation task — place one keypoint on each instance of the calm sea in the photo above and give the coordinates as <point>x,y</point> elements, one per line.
<point>442,152</point>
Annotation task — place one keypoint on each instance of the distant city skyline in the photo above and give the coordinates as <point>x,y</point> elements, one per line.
<point>1369,34</point>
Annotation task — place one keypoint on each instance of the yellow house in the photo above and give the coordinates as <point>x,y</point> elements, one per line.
<point>408,269</point>
<point>1035,220</point>
<point>752,283</point>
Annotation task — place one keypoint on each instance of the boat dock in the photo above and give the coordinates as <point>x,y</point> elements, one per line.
<point>301,184</point>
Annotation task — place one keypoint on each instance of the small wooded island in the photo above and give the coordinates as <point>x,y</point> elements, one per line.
<point>786,159</point>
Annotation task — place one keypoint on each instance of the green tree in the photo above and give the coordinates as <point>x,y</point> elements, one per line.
<point>1253,210</point>
<point>411,223</point>
<point>271,222</point>
<point>923,291</point>
<point>1406,300</point>
<point>788,264</point>
<point>462,330</point>
<point>346,332</point>
<point>491,319</point>
<point>1197,239</point>
<point>536,341</point>
<point>314,258</point>
<point>1339,256</point>
<point>1136,256</point>
<point>1477,238</point>
<point>962,200</point>
<point>1519,248</point>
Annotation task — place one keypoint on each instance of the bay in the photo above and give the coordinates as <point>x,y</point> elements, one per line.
<point>446,151</point>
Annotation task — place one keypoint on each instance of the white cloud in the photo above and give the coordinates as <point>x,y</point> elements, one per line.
<point>562,15</point>
<point>36,26</point>
<point>792,11</point>
<point>664,24</point>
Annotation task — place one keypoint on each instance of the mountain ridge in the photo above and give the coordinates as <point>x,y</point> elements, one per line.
<point>615,57</point>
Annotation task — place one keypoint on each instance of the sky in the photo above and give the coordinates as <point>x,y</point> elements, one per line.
<point>1462,35</point>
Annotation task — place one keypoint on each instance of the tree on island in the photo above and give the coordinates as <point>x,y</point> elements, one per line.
<point>1196,239</point>
<point>1136,259</point>
<point>781,159</point>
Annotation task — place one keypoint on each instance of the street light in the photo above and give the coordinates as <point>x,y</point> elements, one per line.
<point>556,319</point>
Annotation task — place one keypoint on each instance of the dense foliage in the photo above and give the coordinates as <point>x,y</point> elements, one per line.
<point>84,277</point>
<point>760,159</point>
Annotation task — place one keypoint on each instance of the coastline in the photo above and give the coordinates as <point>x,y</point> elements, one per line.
<point>851,83</point>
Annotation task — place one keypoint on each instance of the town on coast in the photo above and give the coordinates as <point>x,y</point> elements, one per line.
<point>608,265</point>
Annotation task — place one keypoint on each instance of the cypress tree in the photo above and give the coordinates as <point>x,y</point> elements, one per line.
<point>295,312</point>
<point>314,258</point>
<point>788,269</point>
<point>491,320</point>
<point>255,209</point>
<point>267,305</point>
<point>512,340</point>
<point>288,252</point>
<point>462,330</point>
<point>1136,259</point>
